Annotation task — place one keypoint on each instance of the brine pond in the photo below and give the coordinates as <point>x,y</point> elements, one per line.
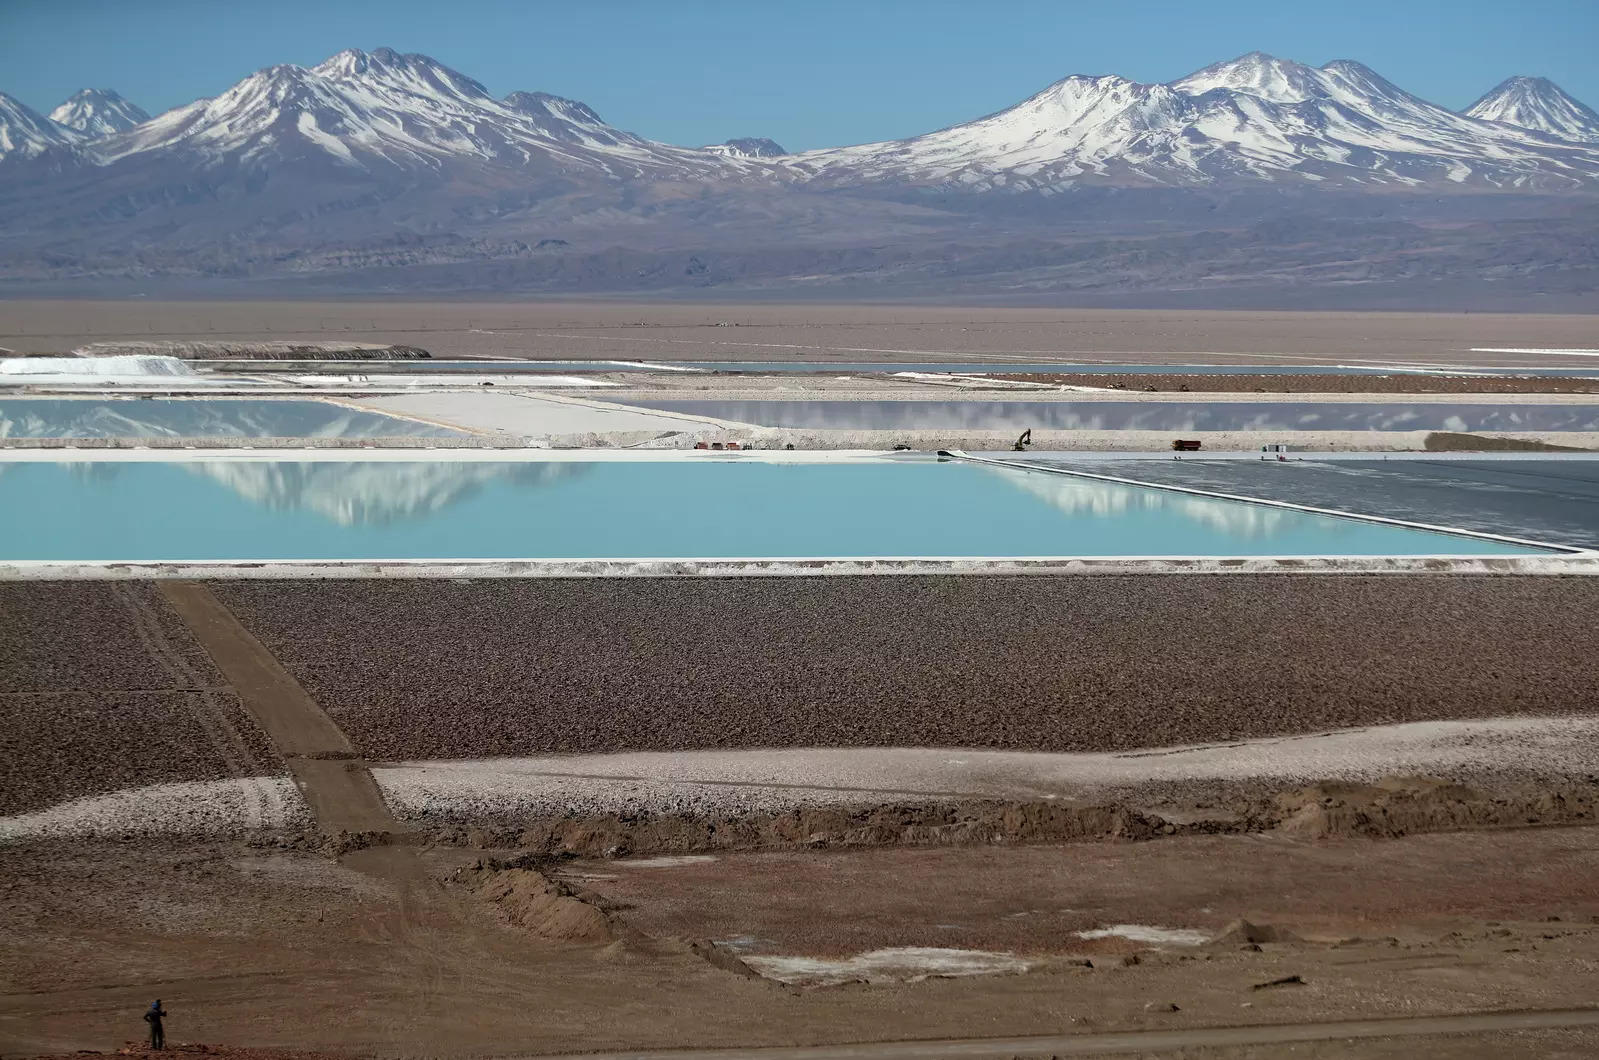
<point>201,418</point>
<point>668,507</point>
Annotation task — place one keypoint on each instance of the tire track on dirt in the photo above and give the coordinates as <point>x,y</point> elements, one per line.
<point>337,786</point>
<point>209,709</point>
<point>430,933</point>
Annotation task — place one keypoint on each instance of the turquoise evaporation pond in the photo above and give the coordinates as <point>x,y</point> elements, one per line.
<point>469,509</point>
<point>200,418</point>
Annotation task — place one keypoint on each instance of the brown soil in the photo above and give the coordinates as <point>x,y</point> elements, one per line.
<point>287,951</point>
<point>404,948</point>
<point>1265,383</point>
<point>197,1050</point>
<point>1389,809</point>
<point>1446,442</point>
<point>546,910</point>
<point>1239,890</point>
<point>556,330</point>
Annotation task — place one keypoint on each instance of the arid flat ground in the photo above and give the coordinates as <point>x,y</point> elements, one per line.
<point>290,949</point>
<point>678,331</point>
<point>368,935</point>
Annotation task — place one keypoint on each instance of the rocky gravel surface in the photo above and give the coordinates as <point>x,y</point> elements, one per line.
<point>62,746</point>
<point>418,670</point>
<point>93,636</point>
<point>102,689</point>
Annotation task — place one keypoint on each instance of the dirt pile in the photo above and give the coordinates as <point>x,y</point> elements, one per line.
<point>1244,933</point>
<point>1408,805</point>
<point>1448,442</point>
<point>927,824</point>
<point>541,907</point>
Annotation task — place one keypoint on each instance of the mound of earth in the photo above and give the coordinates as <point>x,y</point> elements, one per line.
<point>1447,442</point>
<point>1407,805</point>
<point>545,909</point>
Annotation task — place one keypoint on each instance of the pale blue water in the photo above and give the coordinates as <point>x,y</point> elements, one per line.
<point>200,418</point>
<point>732,509</point>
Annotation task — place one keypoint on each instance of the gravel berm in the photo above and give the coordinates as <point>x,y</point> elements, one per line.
<point>467,669</point>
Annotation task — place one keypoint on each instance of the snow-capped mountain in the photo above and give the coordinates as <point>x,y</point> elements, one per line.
<point>382,112</point>
<point>398,173</point>
<point>25,133</point>
<point>1539,104</point>
<point>747,147</point>
<point>97,112</point>
<point>1255,118</point>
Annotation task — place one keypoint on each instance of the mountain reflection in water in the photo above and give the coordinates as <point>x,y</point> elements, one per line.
<point>201,418</point>
<point>359,493</point>
<point>1076,496</point>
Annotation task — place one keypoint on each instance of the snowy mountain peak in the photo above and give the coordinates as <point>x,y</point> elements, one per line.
<point>410,73</point>
<point>382,111</point>
<point>1539,104</point>
<point>555,108</point>
<point>1256,74</point>
<point>1253,118</point>
<point>25,133</point>
<point>747,147</point>
<point>98,112</point>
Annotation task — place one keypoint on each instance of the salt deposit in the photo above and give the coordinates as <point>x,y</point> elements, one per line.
<point>95,368</point>
<point>768,780</point>
<point>1155,936</point>
<point>206,807</point>
<point>666,862</point>
<point>897,964</point>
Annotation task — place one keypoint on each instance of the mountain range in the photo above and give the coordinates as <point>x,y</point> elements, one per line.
<point>384,171</point>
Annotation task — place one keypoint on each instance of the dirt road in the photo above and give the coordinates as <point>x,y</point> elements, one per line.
<point>1139,1042</point>
<point>338,788</point>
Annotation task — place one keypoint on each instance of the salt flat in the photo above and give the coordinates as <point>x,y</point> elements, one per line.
<point>560,330</point>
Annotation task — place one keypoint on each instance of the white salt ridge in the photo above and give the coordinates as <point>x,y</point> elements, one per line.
<point>131,372</point>
<point>1155,936</point>
<point>665,862</point>
<point>766,780</point>
<point>54,369</point>
<point>202,807</point>
<point>900,964</point>
<point>444,380</point>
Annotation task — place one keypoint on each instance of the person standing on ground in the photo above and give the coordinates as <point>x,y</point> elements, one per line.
<point>158,1036</point>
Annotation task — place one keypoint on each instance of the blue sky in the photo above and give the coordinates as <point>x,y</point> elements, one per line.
<point>809,74</point>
